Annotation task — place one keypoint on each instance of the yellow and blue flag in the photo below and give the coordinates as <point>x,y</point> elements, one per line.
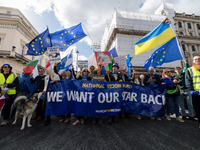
<point>65,38</point>
<point>158,36</point>
<point>39,44</point>
<point>167,53</point>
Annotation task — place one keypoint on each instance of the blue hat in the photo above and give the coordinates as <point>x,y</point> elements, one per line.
<point>115,65</point>
<point>7,65</point>
<point>68,70</point>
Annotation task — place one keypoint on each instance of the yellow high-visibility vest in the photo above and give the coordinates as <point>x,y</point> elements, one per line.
<point>9,80</point>
<point>195,74</point>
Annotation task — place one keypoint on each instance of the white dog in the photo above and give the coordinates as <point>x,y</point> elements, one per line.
<point>26,107</point>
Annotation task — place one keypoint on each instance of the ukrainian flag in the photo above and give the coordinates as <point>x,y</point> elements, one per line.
<point>158,36</point>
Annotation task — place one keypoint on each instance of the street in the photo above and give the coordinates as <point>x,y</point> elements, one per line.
<point>128,134</point>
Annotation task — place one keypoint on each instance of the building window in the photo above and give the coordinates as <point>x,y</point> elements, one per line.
<point>183,47</point>
<point>193,48</point>
<point>181,33</point>
<point>198,27</point>
<point>179,24</point>
<point>190,33</point>
<point>189,25</point>
<point>23,49</point>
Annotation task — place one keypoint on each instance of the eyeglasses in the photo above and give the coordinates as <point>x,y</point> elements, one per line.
<point>6,67</point>
<point>40,71</point>
<point>197,59</point>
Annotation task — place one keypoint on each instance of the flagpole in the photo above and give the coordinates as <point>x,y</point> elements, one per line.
<point>88,36</point>
<point>180,49</point>
<point>49,36</point>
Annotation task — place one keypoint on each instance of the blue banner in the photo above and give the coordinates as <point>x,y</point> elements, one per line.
<point>94,98</point>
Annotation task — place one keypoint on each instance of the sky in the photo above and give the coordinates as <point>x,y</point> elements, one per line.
<point>94,15</point>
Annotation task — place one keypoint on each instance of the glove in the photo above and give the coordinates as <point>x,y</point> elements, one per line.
<point>194,93</point>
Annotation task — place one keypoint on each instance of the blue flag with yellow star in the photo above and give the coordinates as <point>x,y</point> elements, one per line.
<point>39,44</point>
<point>67,37</point>
<point>167,53</point>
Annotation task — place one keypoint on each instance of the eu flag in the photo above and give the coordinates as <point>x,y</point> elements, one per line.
<point>39,44</point>
<point>67,37</point>
<point>113,53</point>
<point>167,53</point>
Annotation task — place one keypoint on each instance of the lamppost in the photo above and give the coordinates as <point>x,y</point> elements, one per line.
<point>77,52</point>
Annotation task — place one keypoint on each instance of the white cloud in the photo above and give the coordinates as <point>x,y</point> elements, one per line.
<point>94,14</point>
<point>149,6</point>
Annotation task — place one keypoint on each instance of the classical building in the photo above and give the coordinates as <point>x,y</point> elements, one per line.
<point>15,32</point>
<point>188,31</point>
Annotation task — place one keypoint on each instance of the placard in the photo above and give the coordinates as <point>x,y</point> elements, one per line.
<point>54,54</point>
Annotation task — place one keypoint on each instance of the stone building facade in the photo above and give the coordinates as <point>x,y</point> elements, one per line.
<point>15,32</point>
<point>188,30</point>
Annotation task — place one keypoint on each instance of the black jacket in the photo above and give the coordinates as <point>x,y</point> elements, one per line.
<point>39,83</point>
<point>188,81</point>
<point>157,77</point>
<point>110,77</point>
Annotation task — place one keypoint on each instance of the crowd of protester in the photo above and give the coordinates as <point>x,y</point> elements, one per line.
<point>182,92</point>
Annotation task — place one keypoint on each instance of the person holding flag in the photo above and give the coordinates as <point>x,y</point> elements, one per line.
<point>39,80</point>
<point>172,94</point>
<point>9,81</point>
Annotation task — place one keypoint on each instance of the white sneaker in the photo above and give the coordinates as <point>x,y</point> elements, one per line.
<point>179,119</point>
<point>138,117</point>
<point>76,123</point>
<point>152,118</point>
<point>4,123</point>
<point>168,118</point>
<point>159,119</point>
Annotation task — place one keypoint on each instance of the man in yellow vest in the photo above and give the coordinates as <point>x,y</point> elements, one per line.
<point>8,82</point>
<point>192,81</point>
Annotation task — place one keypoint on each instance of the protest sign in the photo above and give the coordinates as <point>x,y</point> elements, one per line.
<point>54,54</point>
<point>121,60</point>
<point>103,58</point>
